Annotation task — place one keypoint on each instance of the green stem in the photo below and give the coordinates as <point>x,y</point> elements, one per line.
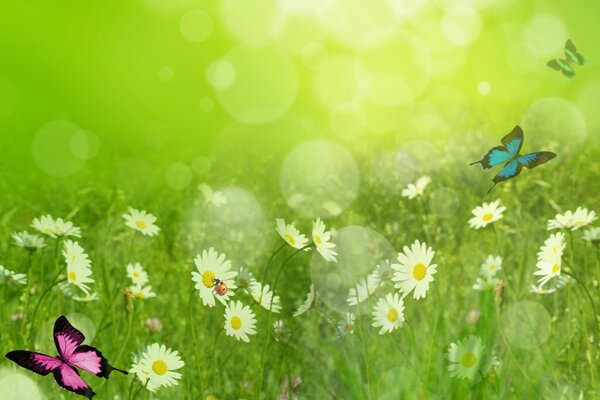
<point>271,259</point>
<point>589,296</point>
<point>192,325</point>
<point>37,305</point>
<point>127,334</point>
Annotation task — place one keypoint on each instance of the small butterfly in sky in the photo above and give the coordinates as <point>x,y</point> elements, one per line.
<point>71,355</point>
<point>509,153</point>
<point>565,65</point>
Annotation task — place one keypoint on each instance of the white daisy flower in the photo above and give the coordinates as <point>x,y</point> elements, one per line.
<point>548,268</point>
<point>415,270</point>
<point>416,189</point>
<point>136,273</point>
<point>78,265</point>
<point>321,239</point>
<point>55,228</point>
<point>572,220</point>
<point>382,273</point>
<point>308,303</point>
<point>211,266</point>
<point>215,198</point>
<point>264,296</point>
<point>11,277</point>
<point>346,324</point>
<point>155,368</point>
<point>491,266</point>
<point>290,234</point>
<point>388,313</point>
<point>361,291</point>
<point>239,321</point>
<point>539,289</point>
<point>592,235</point>
<point>552,246</point>
<point>66,228</point>
<point>28,241</point>
<point>142,292</point>
<point>486,283</point>
<point>280,331</point>
<point>245,279</point>
<point>469,359</point>
<point>86,298</point>
<point>486,214</point>
<point>141,221</point>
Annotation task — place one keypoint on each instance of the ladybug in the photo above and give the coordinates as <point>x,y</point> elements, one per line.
<point>220,287</point>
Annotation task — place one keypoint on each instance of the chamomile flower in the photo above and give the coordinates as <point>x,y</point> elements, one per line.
<point>486,283</point>
<point>290,234</point>
<point>55,227</point>
<point>346,325</point>
<point>136,273</point>
<point>486,214</point>
<point>239,321</point>
<point>321,239</point>
<point>216,198</point>
<point>539,289</point>
<point>416,189</point>
<point>141,221</point>
<point>28,241</point>
<point>548,268</point>
<point>491,266</point>
<point>572,220</point>
<point>382,273</point>
<point>415,271</point>
<point>155,368</point>
<point>280,331</point>
<point>142,292</point>
<point>86,298</point>
<point>66,228</point>
<point>592,235</point>
<point>361,291</point>
<point>552,246</point>
<point>211,266</point>
<point>469,359</point>
<point>245,279</point>
<point>308,303</point>
<point>78,265</point>
<point>11,277</point>
<point>388,313</point>
<point>265,297</point>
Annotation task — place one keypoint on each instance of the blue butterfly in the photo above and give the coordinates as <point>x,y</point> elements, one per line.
<point>509,153</point>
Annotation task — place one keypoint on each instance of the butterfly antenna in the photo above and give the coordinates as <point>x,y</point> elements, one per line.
<point>476,162</point>
<point>120,370</point>
<point>493,186</point>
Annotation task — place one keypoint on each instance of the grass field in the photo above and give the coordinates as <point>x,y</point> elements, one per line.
<point>328,119</point>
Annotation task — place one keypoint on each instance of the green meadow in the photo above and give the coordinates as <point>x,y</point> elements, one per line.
<point>220,117</point>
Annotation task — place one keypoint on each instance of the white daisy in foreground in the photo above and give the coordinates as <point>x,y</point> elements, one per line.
<point>142,292</point>
<point>78,265</point>
<point>265,297</point>
<point>388,313</point>
<point>86,298</point>
<point>211,266</point>
<point>215,198</point>
<point>486,283</point>
<point>491,266</point>
<point>141,221</point>
<point>308,303</point>
<point>469,359</point>
<point>552,246</point>
<point>361,291</point>
<point>239,321</point>
<point>66,228</point>
<point>55,228</point>
<point>321,239</point>
<point>572,220</point>
<point>156,365</point>
<point>136,273</point>
<point>415,270</point>
<point>416,189</point>
<point>346,325</point>
<point>28,241</point>
<point>486,214</point>
<point>592,235</point>
<point>290,234</point>
<point>11,277</point>
<point>550,258</point>
<point>280,331</point>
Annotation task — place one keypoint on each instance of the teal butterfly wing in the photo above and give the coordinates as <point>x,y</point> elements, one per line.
<point>514,167</point>
<point>511,146</point>
<point>573,55</point>
<point>562,65</point>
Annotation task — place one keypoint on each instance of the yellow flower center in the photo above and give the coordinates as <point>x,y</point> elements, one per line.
<point>208,279</point>
<point>488,217</point>
<point>211,397</point>
<point>139,295</point>
<point>140,224</point>
<point>555,268</point>
<point>392,315</point>
<point>579,223</point>
<point>236,322</point>
<point>72,276</point>
<point>136,275</point>
<point>419,271</point>
<point>318,239</point>
<point>290,239</point>
<point>468,359</point>
<point>492,267</point>
<point>47,230</point>
<point>159,367</point>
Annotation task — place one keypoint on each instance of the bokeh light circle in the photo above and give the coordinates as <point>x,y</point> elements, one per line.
<point>336,82</point>
<point>16,385</point>
<point>588,99</point>
<point>168,6</point>
<point>314,55</point>
<point>444,202</point>
<point>521,59</point>
<point>265,84</point>
<point>347,121</point>
<point>85,144</point>
<point>249,20</point>
<point>319,178</point>
<point>386,89</point>
<point>395,169</point>
<point>484,88</point>
<point>195,25</point>
<point>178,176</point>
<point>545,35</point>
<point>52,148</point>
<point>461,25</point>
<point>239,218</point>
<point>221,74</point>
<point>360,250</point>
<point>527,325</point>
<point>201,164</point>
<point>166,73</point>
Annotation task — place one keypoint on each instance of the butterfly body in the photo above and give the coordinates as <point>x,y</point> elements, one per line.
<point>572,57</point>
<point>72,354</point>
<point>510,155</point>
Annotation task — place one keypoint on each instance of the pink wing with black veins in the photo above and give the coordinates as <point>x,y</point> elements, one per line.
<point>36,362</point>
<point>68,378</point>
<point>66,338</point>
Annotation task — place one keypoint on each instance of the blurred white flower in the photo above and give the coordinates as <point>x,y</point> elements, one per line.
<point>572,220</point>
<point>388,313</point>
<point>469,359</point>
<point>28,241</point>
<point>486,213</point>
<point>216,198</point>
<point>321,239</point>
<point>416,189</point>
<point>290,234</point>
<point>141,221</point>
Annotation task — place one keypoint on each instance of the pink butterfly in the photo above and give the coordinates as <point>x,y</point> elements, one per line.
<point>71,354</point>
